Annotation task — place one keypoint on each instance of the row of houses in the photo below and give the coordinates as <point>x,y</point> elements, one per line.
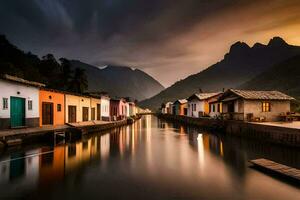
<point>30,104</point>
<point>233,105</point>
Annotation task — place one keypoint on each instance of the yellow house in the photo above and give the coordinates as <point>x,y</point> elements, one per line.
<point>77,108</point>
<point>95,109</point>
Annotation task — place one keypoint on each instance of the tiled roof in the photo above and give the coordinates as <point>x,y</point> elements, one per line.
<point>181,101</point>
<point>204,96</point>
<point>20,80</point>
<point>261,95</point>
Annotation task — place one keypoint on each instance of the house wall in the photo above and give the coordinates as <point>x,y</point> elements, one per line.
<point>79,102</point>
<point>105,108</point>
<point>114,109</point>
<point>182,107</point>
<point>9,89</point>
<point>215,114</point>
<point>122,108</point>
<point>199,108</point>
<point>94,102</point>
<point>277,108</point>
<point>55,98</point>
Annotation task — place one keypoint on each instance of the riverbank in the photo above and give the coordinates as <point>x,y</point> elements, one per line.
<point>264,132</point>
<point>13,137</point>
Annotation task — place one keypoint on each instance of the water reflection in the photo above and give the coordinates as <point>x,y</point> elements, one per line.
<point>170,160</point>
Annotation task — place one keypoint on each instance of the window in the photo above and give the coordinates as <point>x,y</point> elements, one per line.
<point>266,107</point>
<point>29,104</point>
<point>214,108</point>
<point>58,107</point>
<point>5,103</point>
<point>218,109</point>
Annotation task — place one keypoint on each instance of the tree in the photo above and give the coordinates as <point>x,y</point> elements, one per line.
<point>66,73</point>
<point>79,82</point>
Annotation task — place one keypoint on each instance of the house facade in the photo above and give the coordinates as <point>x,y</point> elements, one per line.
<point>132,109</point>
<point>19,102</point>
<point>118,109</point>
<point>77,108</point>
<point>180,107</point>
<point>254,105</point>
<point>105,108</point>
<point>52,107</point>
<point>198,104</point>
<point>168,107</point>
<point>95,108</point>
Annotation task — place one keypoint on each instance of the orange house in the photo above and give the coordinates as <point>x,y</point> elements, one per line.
<point>52,107</point>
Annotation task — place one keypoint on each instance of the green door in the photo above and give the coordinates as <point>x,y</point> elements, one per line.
<point>17,111</point>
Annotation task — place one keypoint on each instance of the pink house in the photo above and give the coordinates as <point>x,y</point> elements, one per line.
<point>118,109</point>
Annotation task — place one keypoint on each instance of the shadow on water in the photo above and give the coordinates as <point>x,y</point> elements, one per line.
<point>151,159</point>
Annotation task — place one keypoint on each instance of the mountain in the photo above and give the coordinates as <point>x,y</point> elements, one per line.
<point>74,76</point>
<point>120,81</point>
<point>242,63</point>
<point>284,76</point>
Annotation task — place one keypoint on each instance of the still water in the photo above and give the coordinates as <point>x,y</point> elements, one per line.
<point>151,159</point>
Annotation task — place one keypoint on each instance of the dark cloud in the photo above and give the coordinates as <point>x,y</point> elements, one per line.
<point>174,36</point>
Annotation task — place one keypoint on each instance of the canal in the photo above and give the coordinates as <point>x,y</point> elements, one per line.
<point>151,159</point>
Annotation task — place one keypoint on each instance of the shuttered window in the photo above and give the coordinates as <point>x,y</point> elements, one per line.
<point>58,107</point>
<point>266,107</point>
<point>29,104</point>
<point>5,103</point>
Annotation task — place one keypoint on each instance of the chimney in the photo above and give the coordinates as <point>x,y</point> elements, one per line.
<point>200,90</point>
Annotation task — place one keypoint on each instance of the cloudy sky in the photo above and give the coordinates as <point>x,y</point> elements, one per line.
<point>169,39</point>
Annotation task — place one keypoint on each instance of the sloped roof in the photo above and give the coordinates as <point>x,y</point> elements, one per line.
<point>22,81</point>
<point>181,101</point>
<point>261,95</point>
<point>204,96</point>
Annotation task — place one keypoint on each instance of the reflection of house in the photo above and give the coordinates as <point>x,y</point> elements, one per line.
<point>52,107</point>
<point>198,104</point>
<point>251,105</point>
<point>180,107</point>
<point>19,102</point>
<point>77,108</point>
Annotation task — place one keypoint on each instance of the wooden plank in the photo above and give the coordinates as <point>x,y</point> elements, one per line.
<point>277,168</point>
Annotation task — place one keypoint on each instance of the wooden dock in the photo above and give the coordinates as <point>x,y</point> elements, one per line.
<point>277,168</point>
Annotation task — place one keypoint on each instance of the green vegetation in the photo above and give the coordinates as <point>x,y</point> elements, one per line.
<point>55,74</point>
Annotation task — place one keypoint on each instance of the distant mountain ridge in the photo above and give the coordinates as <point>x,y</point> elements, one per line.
<point>241,64</point>
<point>60,74</point>
<point>284,76</point>
<point>120,81</point>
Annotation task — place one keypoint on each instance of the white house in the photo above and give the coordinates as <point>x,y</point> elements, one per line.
<point>105,107</point>
<point>19,102</point>
<point>198,104</point>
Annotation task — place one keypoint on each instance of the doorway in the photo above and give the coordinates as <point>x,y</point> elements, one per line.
<point>17,112</point>
<point>47,113</point>
<point>72,114</point>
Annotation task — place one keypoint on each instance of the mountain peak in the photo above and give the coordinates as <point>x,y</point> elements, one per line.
<point>239,46</point>
<point>277,41</point>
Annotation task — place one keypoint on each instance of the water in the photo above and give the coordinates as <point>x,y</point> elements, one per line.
<point>151,159</point>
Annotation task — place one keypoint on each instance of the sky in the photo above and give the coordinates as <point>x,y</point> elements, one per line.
<point>168,39</point>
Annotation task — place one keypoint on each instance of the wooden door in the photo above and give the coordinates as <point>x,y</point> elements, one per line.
<point>17,112</point>
<point>72,114</point>
<point>93,113</point>
<point>85,114</point>
<point>47,113</point>
<point>98,112</point>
